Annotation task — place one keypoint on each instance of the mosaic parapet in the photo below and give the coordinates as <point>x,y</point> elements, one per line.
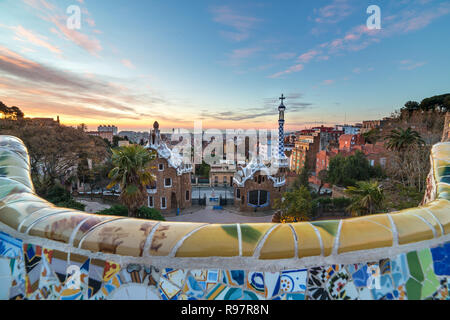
<point>23,211</point>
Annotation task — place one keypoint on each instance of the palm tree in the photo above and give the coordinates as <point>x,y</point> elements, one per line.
<point>400,140</point>
<point>132,173</point>
<point>367,198</point>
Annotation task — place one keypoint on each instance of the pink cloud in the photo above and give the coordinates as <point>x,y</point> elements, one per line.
<point>34,38</point>
<point>328,82</point>
<point>295,68</point>
<point>308,56</point>
<point>242,24</point>
<point>127,63</point>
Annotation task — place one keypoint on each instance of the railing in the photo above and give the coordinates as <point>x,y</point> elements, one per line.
<point>402,255</point>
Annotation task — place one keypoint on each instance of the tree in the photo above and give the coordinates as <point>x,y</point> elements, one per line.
<point>440,103</point>
<point>55,151</point>
<point>399,140</point>
<point>132,173</point>
<point>345,171</point>
<point>371,136</point>
<point>411,106</point>
<point>323,177</point>
<point>303,177</point>
<point>367,198</point>
<point>295,204</point>
<point>11,113</point>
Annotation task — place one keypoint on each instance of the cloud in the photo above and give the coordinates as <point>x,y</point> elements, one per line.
<point>308,56</point>
<point>284,55</point>
<point>241,25</point>
<point>293,69</point>
<point>237,56</point>
<point>41,88</point>
<point>56,16</point>
<point>269,108</point>
<point>335,12</point>
<point>410,65</point>
<point>127,63</point>
<point>24,35</point>
<point>328,82</point>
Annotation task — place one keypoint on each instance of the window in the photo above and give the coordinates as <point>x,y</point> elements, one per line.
<point>167,182</point>
<point>163,203</point>
<point>258,198</point>
<point>187,195</point>
<point>151,204</point>
<point>372,163</point>
<point>238,193</point>
<point>161,167</point>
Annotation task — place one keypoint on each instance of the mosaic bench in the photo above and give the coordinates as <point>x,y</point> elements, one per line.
<point>55,253</point>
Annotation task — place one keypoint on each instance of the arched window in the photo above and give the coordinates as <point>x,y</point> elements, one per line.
<point>258,198</point>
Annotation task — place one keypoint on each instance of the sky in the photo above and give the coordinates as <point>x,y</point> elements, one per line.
<point>224,63</point>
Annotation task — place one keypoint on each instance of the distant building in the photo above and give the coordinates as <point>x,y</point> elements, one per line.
<point>221,175</point>
<point>108,135</point>
<point>108,128</point>
<point>44,121</point>
<point>306,146</point>
<point>349,129</point>
<point>172,188</point>
<point>349,141</point>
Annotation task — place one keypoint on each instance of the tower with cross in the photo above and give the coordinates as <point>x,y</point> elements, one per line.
<point>281,110</point>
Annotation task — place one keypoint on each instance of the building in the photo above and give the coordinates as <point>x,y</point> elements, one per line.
<point>349,129</point>
<point>257,186</point>
<point>108,135</point>
<point>306,147</point>
<point>44,122</point>
<point>222,174</point>
<point>108,128</point>
<point>171,189</point>
<point>349,141</point>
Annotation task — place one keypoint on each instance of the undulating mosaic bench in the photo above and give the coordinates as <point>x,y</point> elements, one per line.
<point>54,253</point>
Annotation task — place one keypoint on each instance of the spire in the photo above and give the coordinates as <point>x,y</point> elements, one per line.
<point>282,98</point>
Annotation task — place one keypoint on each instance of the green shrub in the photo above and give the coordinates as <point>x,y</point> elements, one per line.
<point>60,197</point>
<point>143,212</point>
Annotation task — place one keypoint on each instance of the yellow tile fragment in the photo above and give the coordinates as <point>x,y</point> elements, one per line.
<point>211,241</point>
<point>279,244</point>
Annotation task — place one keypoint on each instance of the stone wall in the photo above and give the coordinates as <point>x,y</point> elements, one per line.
<point>54,253</point>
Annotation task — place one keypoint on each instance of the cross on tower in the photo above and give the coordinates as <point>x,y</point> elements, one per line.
<point>282,98</point>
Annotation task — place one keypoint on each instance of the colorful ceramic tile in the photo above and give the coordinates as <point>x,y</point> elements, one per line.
<point>10,247</point>
<point>5,278</point>
<point>123,237</point>
<point>279,244</point>
<point>167,236</point>
<point>272,284</point>
<point>439,209</point>
<point>365,233</point>
<point>168,290</point>
<point>327,231</point>
<point>307,238</point>
<point>222,292</point>
<point>293,281</point>
<point>192,288</point>
<point>251,234</point>
<point>58,227</point>
<point>176,276</point>
<point>441,259</point>
<point>255,282</point>
<point>339,287</point>
<point>411,228</point>
<point>33,265</point>
<point>233,277</point>
<point>18,273</point>
<point>250,295</point>
<point>222,241</point>
<point>96,273</point>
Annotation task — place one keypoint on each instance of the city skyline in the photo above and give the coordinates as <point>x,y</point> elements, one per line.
<point>224,63</point>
